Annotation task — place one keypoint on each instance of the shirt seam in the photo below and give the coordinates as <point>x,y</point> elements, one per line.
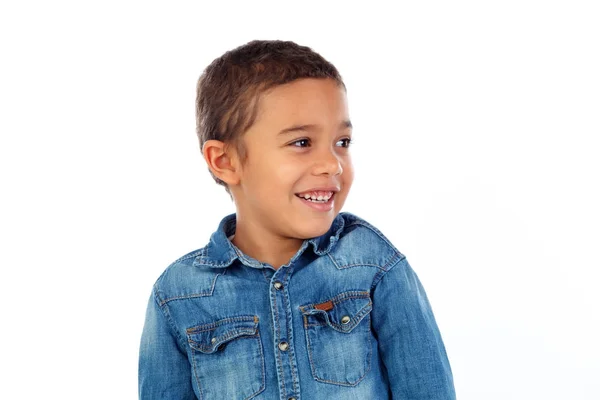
<point>290,336</point>
<point>382,273</point>
<point>165,310</point>
<point>194,295</point>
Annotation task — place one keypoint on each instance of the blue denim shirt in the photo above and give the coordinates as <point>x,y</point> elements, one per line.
<point>345,318</point>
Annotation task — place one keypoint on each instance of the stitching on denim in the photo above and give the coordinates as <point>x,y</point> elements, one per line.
<point>349,295</point>
<point>312,366</point>
<point>242,256</point>
<point>205,259</point>
<point>378,277</point>
<point>333,261</point>
<point>352,294</point>
<point>277,330</point>
<point>396,258</point>
<point>239,254</point>
<point>290,335</point>
<point>333,239</point>
<point>262,356</point>
<point>188,296</point>
<point>360,265</point>
<point>372,228</point>
<point>226,338</point>
<point>375,230</point>
<point>191,296</point>
<point>357,318</point>
<point>191,255</point>
<point>308,346</point>
<point>264,273</point>
<point>210,263</point>
<point>213,325</point>
<point>384,267</point>
<point>366,316</point>
<point>263,374</point>
<point>314,324</point>
<point>196,375</point>
<point>359,314</point>
<point>167,315</point>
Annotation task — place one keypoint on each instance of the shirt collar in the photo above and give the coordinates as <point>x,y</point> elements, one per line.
<point>220,252</point>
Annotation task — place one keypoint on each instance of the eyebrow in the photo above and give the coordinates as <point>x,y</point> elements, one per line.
<point>311,127</point>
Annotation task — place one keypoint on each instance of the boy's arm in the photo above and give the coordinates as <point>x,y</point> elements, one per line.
<point>164,370</point>
<point>409,341</point>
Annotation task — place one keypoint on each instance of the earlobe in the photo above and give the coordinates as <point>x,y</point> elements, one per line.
<point>221,161</point>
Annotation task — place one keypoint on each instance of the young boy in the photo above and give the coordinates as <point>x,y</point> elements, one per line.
<point>290,299</point>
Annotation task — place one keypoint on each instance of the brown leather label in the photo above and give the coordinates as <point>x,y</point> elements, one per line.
<point>328,305</point>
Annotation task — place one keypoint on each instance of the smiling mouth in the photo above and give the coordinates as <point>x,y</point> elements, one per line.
<point>316,197</point>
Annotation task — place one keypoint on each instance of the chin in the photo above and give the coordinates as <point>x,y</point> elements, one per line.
<point>315,229</point>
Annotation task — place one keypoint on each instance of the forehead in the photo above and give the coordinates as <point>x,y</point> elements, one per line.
<point>304,101</point>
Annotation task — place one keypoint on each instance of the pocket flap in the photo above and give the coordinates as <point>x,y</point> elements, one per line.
<point>207,338</point>
<point>343,312</point>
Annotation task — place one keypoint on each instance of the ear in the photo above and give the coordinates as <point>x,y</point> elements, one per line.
<point>222,161</point>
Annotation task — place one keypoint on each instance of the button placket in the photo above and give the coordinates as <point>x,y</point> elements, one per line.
<point>283,335</point>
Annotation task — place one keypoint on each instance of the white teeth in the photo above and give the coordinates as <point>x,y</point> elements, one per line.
<point>320,198</point>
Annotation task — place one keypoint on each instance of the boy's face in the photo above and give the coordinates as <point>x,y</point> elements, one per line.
<point>297,146</point>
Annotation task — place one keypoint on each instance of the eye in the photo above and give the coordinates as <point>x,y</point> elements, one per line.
<point>301,143</point>
<point>347,142</point>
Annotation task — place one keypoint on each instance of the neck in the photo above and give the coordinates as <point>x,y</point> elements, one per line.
<point>263,244</point>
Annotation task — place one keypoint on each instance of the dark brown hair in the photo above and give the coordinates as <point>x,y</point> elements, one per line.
<point>229,89</point>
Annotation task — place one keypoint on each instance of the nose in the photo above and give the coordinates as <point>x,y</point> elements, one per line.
<point>329,163</point>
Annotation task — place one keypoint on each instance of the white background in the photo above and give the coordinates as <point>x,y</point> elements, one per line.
<point>476,150</point>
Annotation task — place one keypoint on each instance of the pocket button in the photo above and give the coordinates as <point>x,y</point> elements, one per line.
<point>345,319</point>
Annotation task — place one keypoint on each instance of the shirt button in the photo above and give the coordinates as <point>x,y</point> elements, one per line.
<point>278,285</point>
<point>283,346</point>
<point>345,319</point>
<point>292,398</point>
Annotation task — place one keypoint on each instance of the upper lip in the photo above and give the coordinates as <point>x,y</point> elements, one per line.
<point>321,189</point>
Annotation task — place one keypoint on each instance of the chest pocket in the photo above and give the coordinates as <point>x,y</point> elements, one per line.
<point>338,338</point>
<point>227,357</point>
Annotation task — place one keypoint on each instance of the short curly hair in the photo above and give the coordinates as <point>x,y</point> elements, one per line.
<point>229,89</point>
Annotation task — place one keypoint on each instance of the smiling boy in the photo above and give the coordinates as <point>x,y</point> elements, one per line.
<point>298,145</point>
<point>291,298</point>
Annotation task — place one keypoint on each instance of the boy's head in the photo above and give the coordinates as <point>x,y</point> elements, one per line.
<point>272,122</point>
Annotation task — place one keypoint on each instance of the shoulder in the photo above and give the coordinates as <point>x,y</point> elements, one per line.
<point>183,279</point>
<point>362,244</point>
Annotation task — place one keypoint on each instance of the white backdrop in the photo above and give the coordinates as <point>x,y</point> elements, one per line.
<point>476,150</point>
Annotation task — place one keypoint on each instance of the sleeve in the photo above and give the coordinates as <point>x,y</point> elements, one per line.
<point>409,341</point>
<point>164,371</point>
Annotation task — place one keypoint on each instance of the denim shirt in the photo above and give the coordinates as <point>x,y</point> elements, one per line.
<point>345,318</point>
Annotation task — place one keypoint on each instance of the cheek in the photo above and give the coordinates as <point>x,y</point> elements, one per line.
<point>275,178</point>
<point>348,174</point>
<point>286,172</point>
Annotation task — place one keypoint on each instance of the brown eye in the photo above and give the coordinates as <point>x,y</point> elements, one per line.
<point>301,143</point>
<point>347,142</point>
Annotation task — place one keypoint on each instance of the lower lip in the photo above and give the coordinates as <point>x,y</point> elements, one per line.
<point>319,206</point>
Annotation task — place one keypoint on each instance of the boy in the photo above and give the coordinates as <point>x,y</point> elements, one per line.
<point>290,299</point>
